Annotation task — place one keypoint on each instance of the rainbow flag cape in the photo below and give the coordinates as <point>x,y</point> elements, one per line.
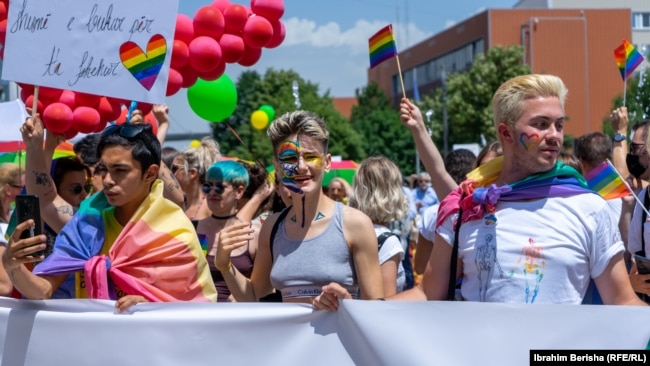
<point>478,195</point>
<point>627,58</point>
<point>606,181</point>
<point>382,46</point>
<point>156,255</point>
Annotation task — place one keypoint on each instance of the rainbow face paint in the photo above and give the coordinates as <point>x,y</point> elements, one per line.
<point>289,158</point>
<point>529,141</point>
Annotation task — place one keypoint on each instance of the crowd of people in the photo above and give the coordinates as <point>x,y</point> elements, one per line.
<point>131,221</point>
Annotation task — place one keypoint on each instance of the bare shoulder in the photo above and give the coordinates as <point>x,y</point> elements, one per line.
<point>355,219</point>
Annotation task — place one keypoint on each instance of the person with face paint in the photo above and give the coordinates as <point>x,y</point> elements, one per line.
<point>524,228</point>
<point>316,251</point>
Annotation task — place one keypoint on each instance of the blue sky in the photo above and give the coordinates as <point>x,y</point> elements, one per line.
<point>327,41</point>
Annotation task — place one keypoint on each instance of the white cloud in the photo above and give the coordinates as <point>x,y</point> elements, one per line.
<point>305,32</point>
<point>450,23</point>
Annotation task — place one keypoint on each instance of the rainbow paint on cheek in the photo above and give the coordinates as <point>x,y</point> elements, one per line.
<point>288,157</point>
<point>529,141</point>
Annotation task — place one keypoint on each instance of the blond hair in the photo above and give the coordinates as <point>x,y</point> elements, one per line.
<point>9,174</point>
<point>201,157</point>
<point>377,190</point>
<point>507,101</point>
<point>301,123</point>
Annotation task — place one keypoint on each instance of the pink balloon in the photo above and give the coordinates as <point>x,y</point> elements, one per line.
<point>145,108</point>
<point>184,28</point>
<point>29,88</point>
<point>3,30</point>
<point>70,133</point>
<point>68,98</point>
<point>189,75</point>
<point>232,47</point>
<point>57,117</point>
<point>180,54</point>
<point>29,103</point>
<point>108,110</point>
<point>3,11</point>
<point>221,4</point>
<point>101,126</point>
<point>205,54</point>
<point>50,93</point>
<point>251,56</point>
<point>209,22</point>
<point>85,119</point>
<point>87,100</point>
<point>279,32</point>
<point>174,82</point>
<point>235,16</point>
<point>269,9</point>
<point>257,32</point>
<point>215,74</point>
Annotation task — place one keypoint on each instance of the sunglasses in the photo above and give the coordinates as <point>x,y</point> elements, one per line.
<point>128,130</point>
<point>218,188</point>
<point>77,188</point>
<point>176,167</point>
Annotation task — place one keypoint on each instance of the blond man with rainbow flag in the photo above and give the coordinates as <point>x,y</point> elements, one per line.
<point>127,243</point>
<point>524,228</point>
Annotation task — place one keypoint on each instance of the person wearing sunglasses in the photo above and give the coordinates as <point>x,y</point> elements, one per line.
<point>317,251</point>
<point>121,241</point>
<point>224,187</point>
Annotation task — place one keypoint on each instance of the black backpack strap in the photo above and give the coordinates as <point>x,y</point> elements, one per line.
<point>453,266</point>
<point>381,239</point>
<point>644,216</point>
<point>274,229</point>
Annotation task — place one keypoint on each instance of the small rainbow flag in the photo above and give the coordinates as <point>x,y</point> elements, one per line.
<point>606,181</point>
<point>382,46</point>
<point>627,58</point>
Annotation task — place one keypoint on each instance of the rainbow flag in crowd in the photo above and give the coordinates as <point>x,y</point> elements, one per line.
<point>606,181</point>
<point>627,58</point>
<point>382,46</point>
<point>156,254</point>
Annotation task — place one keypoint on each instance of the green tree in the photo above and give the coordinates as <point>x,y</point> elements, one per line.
<point>275,89</point>
<point>378,122</point>
<point>469,96</point>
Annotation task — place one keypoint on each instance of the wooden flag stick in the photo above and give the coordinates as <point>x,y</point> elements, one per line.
<point>399,70</point>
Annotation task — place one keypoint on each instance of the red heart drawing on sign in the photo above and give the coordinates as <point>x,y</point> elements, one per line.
<point>144,66</point>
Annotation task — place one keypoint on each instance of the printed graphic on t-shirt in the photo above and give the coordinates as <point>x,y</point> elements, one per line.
<point>533,263</point>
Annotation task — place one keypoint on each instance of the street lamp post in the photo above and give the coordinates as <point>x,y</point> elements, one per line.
<point>445,124</point>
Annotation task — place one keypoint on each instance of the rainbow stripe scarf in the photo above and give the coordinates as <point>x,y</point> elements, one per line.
<point>157,254</point>
<point>478,195</point>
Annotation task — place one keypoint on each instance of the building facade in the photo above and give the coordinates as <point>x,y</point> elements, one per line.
<point>575,44</point>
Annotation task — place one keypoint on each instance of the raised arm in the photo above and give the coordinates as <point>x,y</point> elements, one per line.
<point>619,122</point>
<point>434,163</point>
<point>55,211</point>
<point>161,112</point>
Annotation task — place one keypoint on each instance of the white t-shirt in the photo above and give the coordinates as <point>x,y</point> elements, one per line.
<point>538,251</point>
<point>3,231</point>
<point>391,247</point>
<point>427,225</point>
<point>636,230</point>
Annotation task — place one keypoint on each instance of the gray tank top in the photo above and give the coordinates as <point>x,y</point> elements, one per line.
<point>302,267</point>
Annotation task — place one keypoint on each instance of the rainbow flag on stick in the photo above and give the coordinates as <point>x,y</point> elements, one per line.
<point>382,46</point>
<point>606,181</point>
<point>627,58</point>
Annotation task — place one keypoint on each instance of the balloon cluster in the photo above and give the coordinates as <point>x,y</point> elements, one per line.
<point>222,33</point>
<point>261,117</point>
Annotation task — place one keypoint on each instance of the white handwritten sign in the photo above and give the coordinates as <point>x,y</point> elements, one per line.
<point>116,48</point>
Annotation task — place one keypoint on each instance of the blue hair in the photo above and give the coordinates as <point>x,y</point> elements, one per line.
<point>228,171</point>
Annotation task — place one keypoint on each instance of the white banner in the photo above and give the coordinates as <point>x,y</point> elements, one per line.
<point>88,332</point>
<point>120,48</point>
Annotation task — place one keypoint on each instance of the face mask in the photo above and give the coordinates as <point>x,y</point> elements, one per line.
<point>634,166</point>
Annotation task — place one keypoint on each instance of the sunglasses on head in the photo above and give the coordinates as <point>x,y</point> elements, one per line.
<point>128,130</point>
<point>218,188</point>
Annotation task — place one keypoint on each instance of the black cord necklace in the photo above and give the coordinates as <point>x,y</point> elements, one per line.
<point>224,217</point>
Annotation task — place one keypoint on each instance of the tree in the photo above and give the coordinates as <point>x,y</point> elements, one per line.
<point>469,96</point>
<point>275,89</point>
<point>378,122</point>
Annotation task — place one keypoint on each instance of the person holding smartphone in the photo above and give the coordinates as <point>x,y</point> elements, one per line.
<point>102,243</point>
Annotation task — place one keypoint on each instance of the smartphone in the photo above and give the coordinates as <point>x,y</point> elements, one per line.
<point>27,207</point>
<point>642,264</point>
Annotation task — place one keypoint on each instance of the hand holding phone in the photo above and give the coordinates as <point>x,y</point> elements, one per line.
<point>642,264</point>
<point>27,207</point>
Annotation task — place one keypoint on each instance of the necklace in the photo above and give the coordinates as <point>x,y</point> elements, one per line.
<point>224,217</point>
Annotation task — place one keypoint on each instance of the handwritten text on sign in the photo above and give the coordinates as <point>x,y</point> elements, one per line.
<point>119,48</point>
